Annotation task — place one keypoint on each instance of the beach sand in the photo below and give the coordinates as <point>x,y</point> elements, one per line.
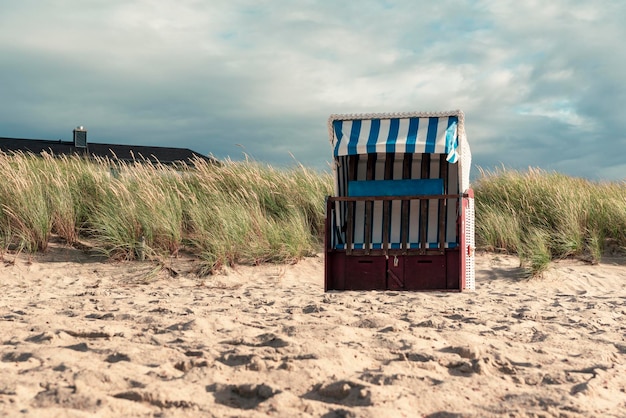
<point>81,336</point>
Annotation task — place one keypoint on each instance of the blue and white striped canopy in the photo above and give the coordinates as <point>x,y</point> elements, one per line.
<point>396,133</point>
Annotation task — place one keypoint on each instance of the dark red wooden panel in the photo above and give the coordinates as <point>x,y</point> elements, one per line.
<point>453,270</point>
<point>425,272</point>
<point>365,273</point>
<point>335,271</point>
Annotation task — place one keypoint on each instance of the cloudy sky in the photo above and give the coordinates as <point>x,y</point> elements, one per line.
<point>541,83</point>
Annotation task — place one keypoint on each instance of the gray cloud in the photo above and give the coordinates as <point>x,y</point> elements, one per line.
<point>541,85</point>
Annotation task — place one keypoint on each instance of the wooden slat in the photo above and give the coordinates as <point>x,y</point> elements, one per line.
<point>350,229</point>
<point>371,165</point>
<point>353,167</point>
<point>389,198</point>
<point>386,223</point>
<point>369,205</point>
<point>407,162</point>
<point>443,173</point>
<point>328,238</point>
<point>342,186</point>
<point>404,232</point>
<point>392,252</point>
<point>425,173</point>
<point>389,159</point>
<point>353,162</point>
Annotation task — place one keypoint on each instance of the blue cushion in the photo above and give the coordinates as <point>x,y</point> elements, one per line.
<point>413,187</point>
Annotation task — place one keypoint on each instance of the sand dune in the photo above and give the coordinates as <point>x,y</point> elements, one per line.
<point>83,337</point>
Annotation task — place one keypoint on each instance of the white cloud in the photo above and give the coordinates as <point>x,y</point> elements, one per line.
<point>529,75</point>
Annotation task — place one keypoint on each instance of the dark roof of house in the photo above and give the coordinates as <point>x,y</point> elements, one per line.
<point>165,155</point>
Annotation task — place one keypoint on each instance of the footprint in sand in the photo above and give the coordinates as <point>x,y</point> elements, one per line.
<point>342,392</point>
<point>242,396</point>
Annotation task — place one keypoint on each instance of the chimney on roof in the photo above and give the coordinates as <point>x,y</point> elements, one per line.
<point>80,137</point>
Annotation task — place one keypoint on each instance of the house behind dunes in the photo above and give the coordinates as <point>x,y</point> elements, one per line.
<point>80,146</point>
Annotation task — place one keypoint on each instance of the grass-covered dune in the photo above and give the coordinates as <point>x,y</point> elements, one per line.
<point>543,216</point>
<point>246,212</point>
<point>224,214</point>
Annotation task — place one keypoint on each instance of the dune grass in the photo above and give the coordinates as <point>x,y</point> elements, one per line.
<point>236,212</point>
<point>247,212</point>
<point>542,216</point>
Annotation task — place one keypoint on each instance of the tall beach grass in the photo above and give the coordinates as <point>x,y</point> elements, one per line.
<point>235,212</point>
<point>542,216</point>
<point>248,212</point>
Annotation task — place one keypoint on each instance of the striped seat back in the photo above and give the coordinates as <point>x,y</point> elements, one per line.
<point>398,175</point>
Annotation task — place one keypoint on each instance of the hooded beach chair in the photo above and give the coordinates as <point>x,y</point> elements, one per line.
<point>402,216</point>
